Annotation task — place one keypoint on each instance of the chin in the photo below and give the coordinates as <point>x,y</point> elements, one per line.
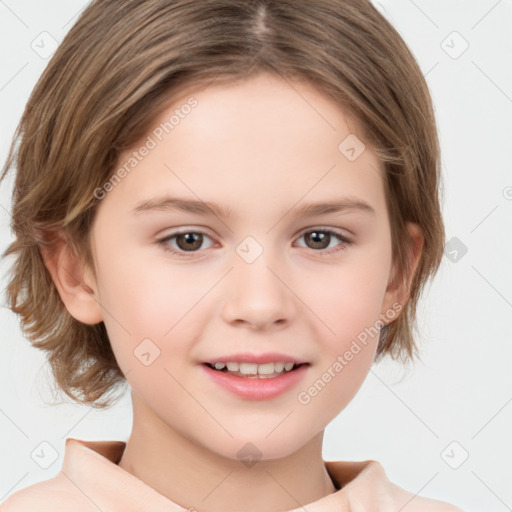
<point>248,450</point>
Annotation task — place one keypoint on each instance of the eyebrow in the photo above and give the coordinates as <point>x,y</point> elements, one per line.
<point>168,203</point>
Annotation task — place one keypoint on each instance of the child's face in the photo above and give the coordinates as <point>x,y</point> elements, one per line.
<point>262,149</point>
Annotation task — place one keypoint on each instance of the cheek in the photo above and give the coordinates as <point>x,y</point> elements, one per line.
<point>348,339</point>
<point>148,297</point>
<point>347,299</point>
<point>348,302</point>
<point>143,302</point>
<point>334,385</point>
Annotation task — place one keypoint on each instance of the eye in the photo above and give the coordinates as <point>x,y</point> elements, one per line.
<point>186,241</point>
<point>320,239</point>
<point>191,242</point>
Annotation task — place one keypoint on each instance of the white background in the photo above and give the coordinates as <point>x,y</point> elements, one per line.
<point>461,390</point>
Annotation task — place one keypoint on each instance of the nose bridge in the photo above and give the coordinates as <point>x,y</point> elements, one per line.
<point>257,294</point>
<point>256,266</point>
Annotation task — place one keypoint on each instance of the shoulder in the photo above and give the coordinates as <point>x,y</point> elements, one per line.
<point>57,494</point>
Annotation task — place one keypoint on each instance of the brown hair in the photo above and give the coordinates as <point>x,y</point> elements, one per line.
<point>118,67</point>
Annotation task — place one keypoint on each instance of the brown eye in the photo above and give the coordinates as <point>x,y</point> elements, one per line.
<point>189,241</point>
<point>184,243</point>
<point>321,239</point>
<point>318,239</point>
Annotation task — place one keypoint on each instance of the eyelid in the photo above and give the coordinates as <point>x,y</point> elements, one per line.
<point>329,229</point>
<point>336,232</point>
<point>345,240</point>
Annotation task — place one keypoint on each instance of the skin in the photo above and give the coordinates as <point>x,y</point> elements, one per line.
<point>262,148</point>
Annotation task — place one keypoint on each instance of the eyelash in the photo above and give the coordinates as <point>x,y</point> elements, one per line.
<point>163,242</point>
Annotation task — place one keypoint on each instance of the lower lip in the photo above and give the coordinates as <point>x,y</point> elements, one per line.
<point>256,388</point>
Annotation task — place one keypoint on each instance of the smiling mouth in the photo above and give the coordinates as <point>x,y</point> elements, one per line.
<point>255,371</point>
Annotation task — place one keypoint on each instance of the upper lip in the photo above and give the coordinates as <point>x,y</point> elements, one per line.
<point>268,357</point>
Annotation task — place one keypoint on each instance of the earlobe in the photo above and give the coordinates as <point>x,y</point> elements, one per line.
<point>73,280</point>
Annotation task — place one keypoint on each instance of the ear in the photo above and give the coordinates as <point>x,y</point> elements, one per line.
<point>73,279</point>
<point>398,290</point>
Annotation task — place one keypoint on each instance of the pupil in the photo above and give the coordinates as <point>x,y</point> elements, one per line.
<point>191,241</point>
<point>319,238</point>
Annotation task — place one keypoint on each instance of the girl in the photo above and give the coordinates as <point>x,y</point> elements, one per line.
<point>232,206</point>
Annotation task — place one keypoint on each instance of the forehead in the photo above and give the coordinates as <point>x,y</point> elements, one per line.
<point>259,139</point>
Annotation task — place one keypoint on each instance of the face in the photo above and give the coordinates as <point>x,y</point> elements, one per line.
<point>179,287</point>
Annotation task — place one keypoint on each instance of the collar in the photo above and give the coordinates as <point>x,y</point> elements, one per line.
<point>92,467</point>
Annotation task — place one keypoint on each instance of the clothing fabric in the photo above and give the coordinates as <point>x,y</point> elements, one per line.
<point>90,481</point>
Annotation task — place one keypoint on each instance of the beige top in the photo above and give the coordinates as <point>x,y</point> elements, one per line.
<point>90,481</point>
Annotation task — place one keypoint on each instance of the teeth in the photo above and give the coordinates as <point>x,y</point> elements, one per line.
<point>278,367</point>
<point>255,369</point>
<point>265,369</point>
<point>248,368</point>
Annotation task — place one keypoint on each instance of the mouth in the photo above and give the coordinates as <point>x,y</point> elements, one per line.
<point>256,371</point>
<point>256,381</point>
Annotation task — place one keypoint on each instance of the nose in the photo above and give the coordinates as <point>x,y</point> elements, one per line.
<point>257,295</point>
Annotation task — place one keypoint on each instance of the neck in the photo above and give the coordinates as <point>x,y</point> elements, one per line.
<point>195,477</point>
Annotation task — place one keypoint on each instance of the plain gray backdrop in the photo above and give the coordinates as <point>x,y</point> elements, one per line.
<point>442,429</point>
